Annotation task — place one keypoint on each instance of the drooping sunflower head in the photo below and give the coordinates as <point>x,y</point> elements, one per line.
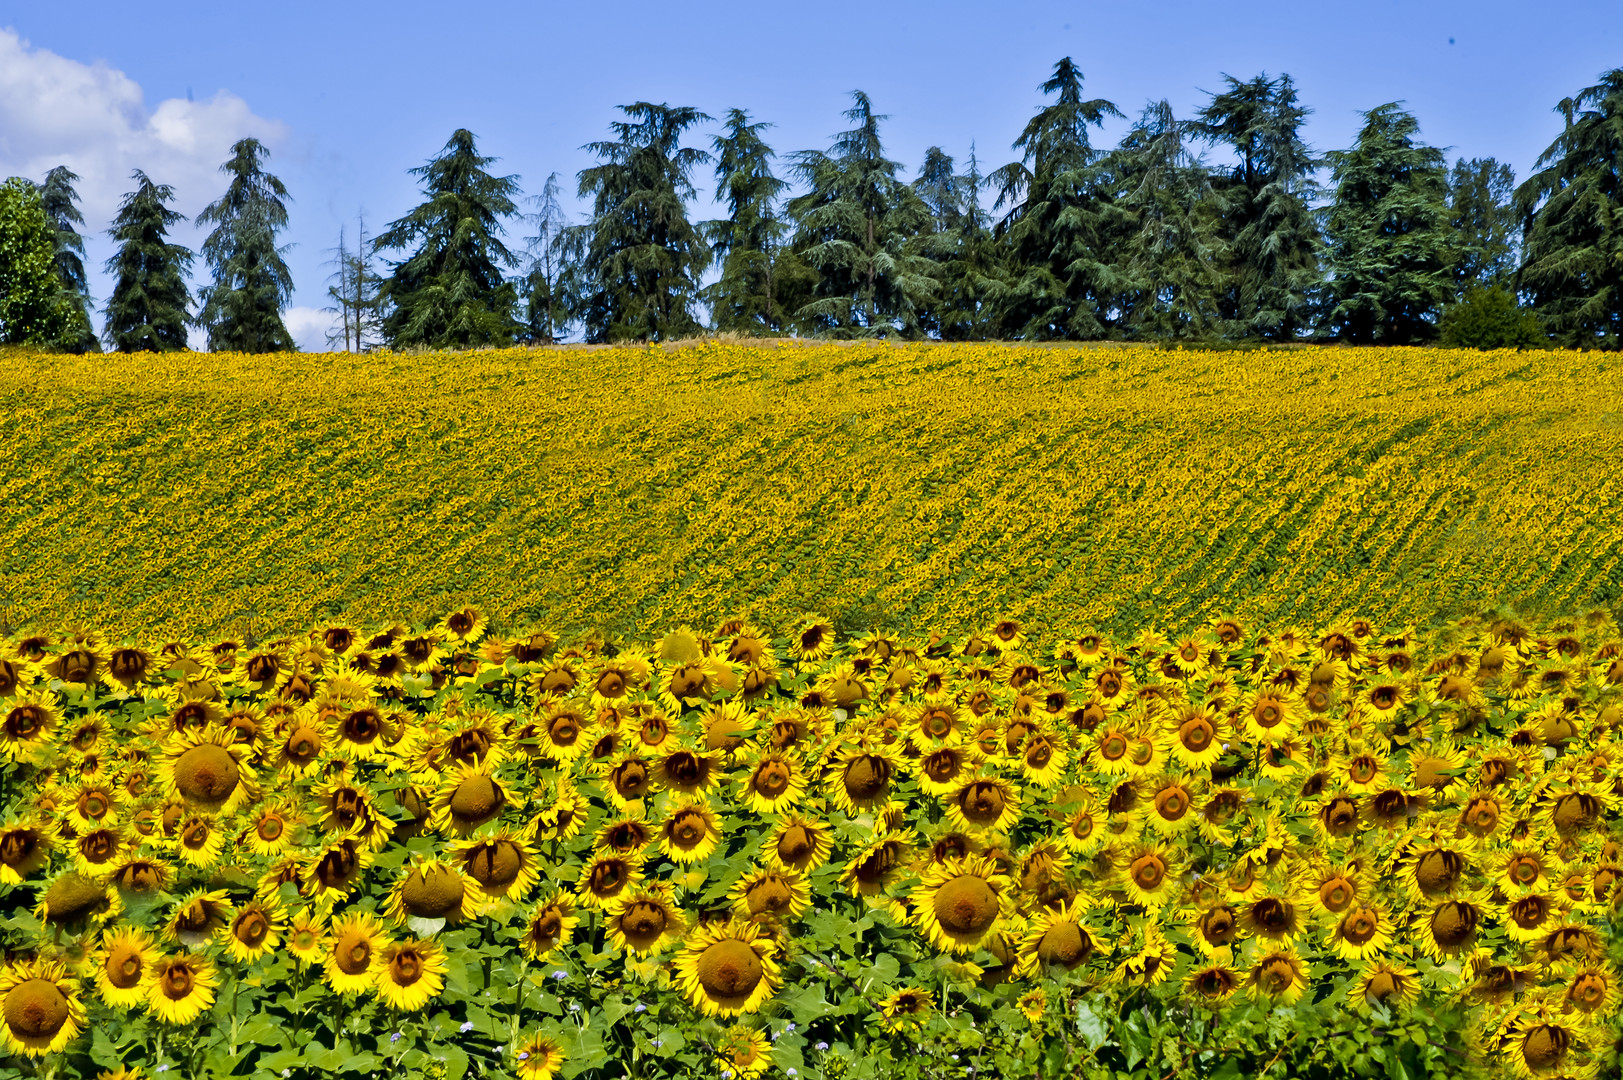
<point>71,900</point>
<point>1057,939</point>
<point>549,926</point>
<point>799,843</point>
<point>727,969</point>
<point>431,888</point>
<point>502,864</point>
<point>1382,982</point>
<point>872,870</point>
<point>40,1006</point>
<point>468,797</point>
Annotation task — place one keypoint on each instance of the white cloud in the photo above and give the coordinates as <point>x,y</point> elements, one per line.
<point>93,119</point>
<point>309,327</point>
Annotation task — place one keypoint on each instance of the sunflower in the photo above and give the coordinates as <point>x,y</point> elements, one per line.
<point>255,931</point>
<point>197,917</point>
<point>125,966</point>
<point>1058,937</point>
<point>25,848</point>
<point>306,937</point>
<point>628,835</point>
<point>781,894</point>
<point>1083,832</point>
<point>1449,929</point>
<point>29,726</point>
<point>199,840</point>
<point>959,902</point>
<point>1269,716</point>
<point>1043,759</point>
<point>872,870</point>
<point>71,899</point>
<point>551,923</point>
<point>605,878</point>
<point>1216,926</point>
<point>1593,990</point>
<point>1171,806</point>
<point>1362,932</point>
<point>539,1058</point>
<point>1437,770</point>
<point>1382,982</point>
<point>984,803</point>
<point>1572,942</point>
<point>561,732</point>
<point>565,815</point>
<point>690,832</point>
<point>628,780</point>
<point>1434,868</point>
<point>141,873</point>
<point>469,796</point>
<point>1540,1043</point>
<point>862,776</point>
<point>1362,770</point>
<point>302,746</point>
<point>906,1010</point>
<point>41,1007</point>
<point>1198,733</point>
<point>1148,753</point>
<point>644,920</point>
<point>409,973</point>
<point>1274,914</point>
<point>1278,975</point>
<point>207,769</point>
<point>1527,917</point>
<point>502,863</point>
<point>332,872</point>
<point>935,722</point>
<point>742,1053</point>
<point>1151,963</point>
<point>772,783</point>
<point>270,829</point>
<point>1149,874</point>
<point>182,988</point>
<point>800,844</point>
<point>347,808</point>
<point>355,946</point>
<point>727,969</point>
<point>1213,984</point>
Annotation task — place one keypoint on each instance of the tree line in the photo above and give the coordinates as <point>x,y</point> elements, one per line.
<point>1380,243</point>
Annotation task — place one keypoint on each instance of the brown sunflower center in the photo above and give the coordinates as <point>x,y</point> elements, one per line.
<point>1196,734</point>
<point>1064,943</point>
<point>1267,713</point>
<point>1530,911</point>
<point>1545,1046</point>
<point>1363,769</point>
<point>432,892</point>
<point>1360,927</point>
<point>71,897</point>
<point>1382,985</point>
<point>353,953</point>
<point>1215,982</point>
<point>1113,747</point>
<point>1588,992</point>
<point>36,1008</point>
<point>1453,923</point>
<point>123,967</point>
<point>1525,869</point>
<point>251,928</point>
<point>642,922</point>
<point>475,801</point>
<point>1335,894</point>
<point>866,776</point>
<point>772,778</point>
<point>796,845</point>
<point>1575,810</point>
<point>1437,871</point>
<point>966,905</point>
<point>771,894</point>
<point>1276,975</point>
<point>25,721</point>
<point>177,981</point>
<point>495,864</point>
<point>1273,916</point>
<point>207,774</point>
<point>1148,871</point>
<point>687,829</point>
<point>981,802</point>
<point>363,726</point>
<point>729,970</point>
<point>1481,816</point>
<point>303,745</point>
<point>1217,926</point>
<point>630,779</point>
<point>1172,803</point>
<point>406,966</point>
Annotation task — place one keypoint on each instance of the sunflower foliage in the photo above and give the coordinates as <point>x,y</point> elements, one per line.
<point>440,850</point>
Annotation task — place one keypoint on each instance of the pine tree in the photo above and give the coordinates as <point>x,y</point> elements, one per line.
<point>546,310</point>
<point>960,242</point>
<point>59,199</point>
<point>748,244</point>
<point>1063,280</point>
<point>1268,227</point>
<point>353,287</point>
<point>147,311</point>
<point>242,309</point>
<point>1572,215</point>
<point>1170,259</point>
<point>642,257</point>
<point>1387,231</point>
<point>1483,222</point>
<point>858,225</point>
<point>34,308</point>
<point>450,292</point>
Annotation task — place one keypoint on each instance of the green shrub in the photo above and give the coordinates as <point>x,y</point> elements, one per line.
<point>1491,319</point>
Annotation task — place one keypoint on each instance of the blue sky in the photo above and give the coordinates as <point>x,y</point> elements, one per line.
<point>349,95</point>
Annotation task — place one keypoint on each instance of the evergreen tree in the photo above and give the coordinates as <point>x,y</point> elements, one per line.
<point>1572,215</point>
<point>1273,246</point>
<point>748,244</point>
<point>1387,231</point>
<point>242,309</point>
<point>450,292</point>
<point>147,312</point>
<point>642,256</point>
<point>1063,282</point>
<point>59,199</point>
<point>1170,260</point>
<point>353,287</point>
<point>34,308</point>
<point>546,311</point>
<point>1482,218</point>
<point>858,225</point>
<point>960,242</point>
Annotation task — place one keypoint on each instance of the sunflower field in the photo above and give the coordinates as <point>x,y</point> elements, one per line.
<point>438,851</point>
<point>923,487</point>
